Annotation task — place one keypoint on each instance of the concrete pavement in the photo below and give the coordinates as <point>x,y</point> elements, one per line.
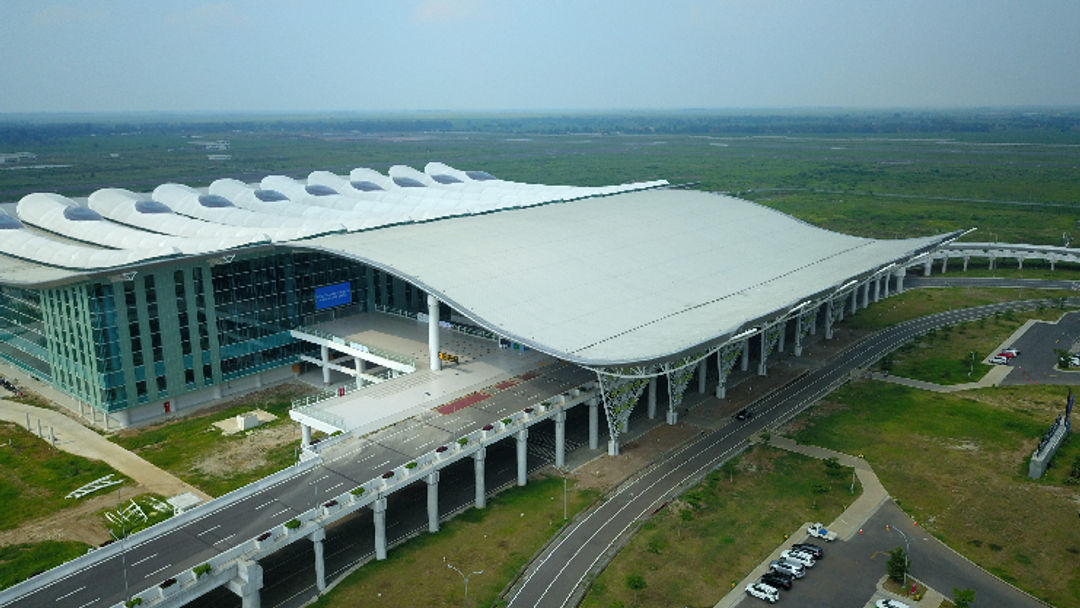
<point>73,437</point>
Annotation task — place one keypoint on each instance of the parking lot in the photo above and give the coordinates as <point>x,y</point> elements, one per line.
<point>1038,352</point>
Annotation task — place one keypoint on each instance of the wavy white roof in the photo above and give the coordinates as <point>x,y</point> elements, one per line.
<point>190,202</point>
<point>273,201</point>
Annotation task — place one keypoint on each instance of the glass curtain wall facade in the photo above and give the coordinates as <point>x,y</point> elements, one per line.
<point>177,328</point>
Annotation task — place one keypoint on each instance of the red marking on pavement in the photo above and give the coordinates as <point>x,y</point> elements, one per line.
<point>464,402</point>
<point>505,384</point>
<point>529,375</point>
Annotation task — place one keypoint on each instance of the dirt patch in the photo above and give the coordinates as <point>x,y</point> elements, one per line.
<point>81,522</point>
<point>606,471</point>
<point>248,453</point>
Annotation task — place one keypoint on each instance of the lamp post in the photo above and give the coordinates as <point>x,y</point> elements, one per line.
<point>464,578</point>
<point>907,552</point>
<point>564,513</point>
<point>123,554</point>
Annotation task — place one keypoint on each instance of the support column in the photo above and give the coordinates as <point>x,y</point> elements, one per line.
<point>378,508</point>
<point>966,260</point>
<point>828,319</point>
<point>944,264</point>
<point>652,398</point>
<point>523,455</point>
<point>594,425</point>
<point>782,338</point>
<point>797,350</point>
<point>1052,261</point>
<point>324,350</point>
<point>926,266</point>
<point>854,300</point>
<point>1019,263</point>
<point>560,446</point>
<point>866,294</point>
<point>885,285</point>
<point>761,368</point>
<point>877,289</point>
<point>360,367</point>
<point>900,280</point>
<point>478,468</point>
<point>991,262</point>
<point>317,538</point>
<point>305,435</point>
<point>433,333</point>
<point>248,582</point>
<point>433,502</point>
<point>701,373</point>
<point>745,363</point>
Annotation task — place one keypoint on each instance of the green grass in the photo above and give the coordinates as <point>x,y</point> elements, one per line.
<point>153,505</point>
<point>35,477</point>
<point>957,464</point>
<point>177,445</point>
<point>915,303</point>
<point>693,551</point>
<point>20,562</point>
<point>498,540</point>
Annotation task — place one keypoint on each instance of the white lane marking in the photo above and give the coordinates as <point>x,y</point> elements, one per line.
<point>322,478</point>
<point>147,558</point>
<point>280,512</point>
<point>379,466</point>
<point>208,530</point>
<point>161,569</point>
<point>93,601</point>
<point>66,595</point>
<point>224,538</point>
<point>265,504</point>
<point>335,486</point>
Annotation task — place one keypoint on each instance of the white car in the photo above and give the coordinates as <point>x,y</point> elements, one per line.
<point>818,531</point>
<point>796,570</point>
<point>763,592</point>
<point>999,360</point>
<point>797,557</point>
<point>886,603</point>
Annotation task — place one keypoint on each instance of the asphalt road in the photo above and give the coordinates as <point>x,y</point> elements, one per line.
<point>1038,353</point>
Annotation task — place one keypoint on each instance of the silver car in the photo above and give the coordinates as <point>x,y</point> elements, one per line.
<point>786,567</point>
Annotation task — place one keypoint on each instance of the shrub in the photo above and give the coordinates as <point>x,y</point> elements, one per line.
<point>200,570</point>
<point>463,441</point>
<point>292,524</point>
<point>507,420</point>
<point>135,601</point>
<point>357,491</point>
<point>411,465</point>
<point>636,582</point>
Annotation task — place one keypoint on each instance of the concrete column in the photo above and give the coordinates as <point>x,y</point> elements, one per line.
<point>966,259</point>
<point>1052,261</point>
<point>866,294</point>
<point>745,363</point>
<point>783,336</point>
<point>762,367</point>
<point>721,384</point>
<point>433,502</point>
<point>523,453</point>
<point>478,468</point>
<point>797,350</point>
<point>944,264</point>
<point>594,425</point>
<point>828,319</point>
<point>854,300</point>
<point>991,262</point>
<point>1020,263</point>
<point>560,445</point>
<point>378,509</point>
<point>926,267</point>
<point>900,280</point>
<point>317,538</point>
<point>652,398</point>
<point>885,285</point>
<point>305,435</point>
<point>433,332</point>
<point>359,363</point>
<point>325,352</point>
<point>877,289</point>
<point>701,369</point>
<point>248,582</point>
<point>840,312</point>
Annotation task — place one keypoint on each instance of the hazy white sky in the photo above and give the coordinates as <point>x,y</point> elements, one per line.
<point>353,55</point>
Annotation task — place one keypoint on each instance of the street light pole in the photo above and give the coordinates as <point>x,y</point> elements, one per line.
<point>464,578</point>
<point>123,554</point>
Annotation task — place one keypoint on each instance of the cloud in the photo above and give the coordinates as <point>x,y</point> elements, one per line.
<point>210,15</point>
<point>439,11</point>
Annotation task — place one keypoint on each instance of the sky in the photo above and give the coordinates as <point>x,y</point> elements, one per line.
<point>534,55</point>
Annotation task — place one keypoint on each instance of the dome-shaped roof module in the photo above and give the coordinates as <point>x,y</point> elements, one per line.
<point>319,190</point>
<point>480,176</point>
<point>366,186</point>
<point>443,178</point>
<point>9,223</point>
<point>407,182</point>
<point>82,214</point>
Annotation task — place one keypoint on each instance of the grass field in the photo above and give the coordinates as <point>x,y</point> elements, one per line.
<point>957,464</point>
<point>498,540</point>
<point>20,562</point>
<point>180,446</point>
<point>954,353</point>
<point>718,531</point>
<point>915,303</point>
<point>35,477</point>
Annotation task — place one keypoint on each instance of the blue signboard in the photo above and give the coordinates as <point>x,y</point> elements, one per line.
<point>332,295</point>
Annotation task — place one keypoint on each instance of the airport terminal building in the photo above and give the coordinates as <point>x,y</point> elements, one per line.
<point>143,305</point>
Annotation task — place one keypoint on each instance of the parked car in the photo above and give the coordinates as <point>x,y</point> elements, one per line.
<point>744,414</point>
<point>818,531</point>
<point>763,592</point>
<point>798,557</point>
<point>1074,360</point>
<point>796,570</point>
<point>810,548</point>
<point>886,603</point>
<point>999,360</point>
<point>778,579</point>
<point>1006,354</point>
<point>1015,351</point>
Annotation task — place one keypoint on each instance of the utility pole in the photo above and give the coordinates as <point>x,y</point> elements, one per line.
<point>123,554</point>
<point>907,552</point>
<point>464,578</point>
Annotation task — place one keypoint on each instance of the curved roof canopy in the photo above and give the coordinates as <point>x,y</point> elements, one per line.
<point>633,278</point>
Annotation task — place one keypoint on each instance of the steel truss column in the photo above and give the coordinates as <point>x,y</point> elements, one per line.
<point>828,319</point>
<point>769,337</point>
<point>744,365</point>
<point>725,361</point>
<point>652,398</point>
<point>620,389</point>
<point>594,425</point>
<point>804,324</point>
<point>678,373</point>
